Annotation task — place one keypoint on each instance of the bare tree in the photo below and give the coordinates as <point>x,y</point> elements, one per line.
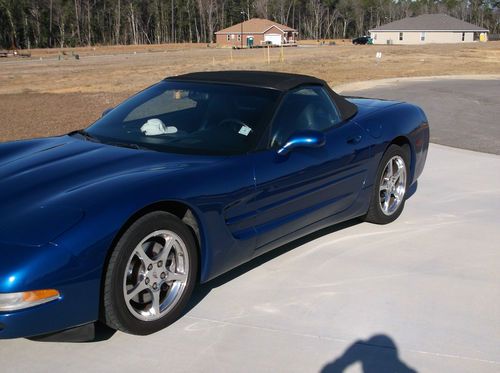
<point>42,23</point>
<point>261,8</point>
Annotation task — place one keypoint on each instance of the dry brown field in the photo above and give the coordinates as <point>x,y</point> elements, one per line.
<point>53,93</point>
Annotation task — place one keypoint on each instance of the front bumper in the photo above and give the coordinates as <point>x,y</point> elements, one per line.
<point>77,279</point>
<point>75,307</point>
<point>31,321</point>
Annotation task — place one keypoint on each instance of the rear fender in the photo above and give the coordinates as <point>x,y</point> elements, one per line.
<point>402,123</point>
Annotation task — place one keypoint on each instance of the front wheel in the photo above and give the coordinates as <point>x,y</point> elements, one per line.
<point>151,274</point>
<point>390,187</point>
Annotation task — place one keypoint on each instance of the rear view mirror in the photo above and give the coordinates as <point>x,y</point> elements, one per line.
<point>303,139</point>
<point>198,96</point>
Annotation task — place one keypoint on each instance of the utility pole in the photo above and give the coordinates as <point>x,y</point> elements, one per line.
<point>242,20</point>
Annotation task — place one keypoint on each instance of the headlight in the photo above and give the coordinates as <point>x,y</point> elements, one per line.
<point>25,299</point>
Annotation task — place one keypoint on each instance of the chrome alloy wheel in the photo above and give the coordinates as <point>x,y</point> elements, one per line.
<point>156,275</point>
<point>392,185</point>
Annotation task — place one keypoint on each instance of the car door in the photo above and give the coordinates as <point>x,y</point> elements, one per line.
<point>308,184</point>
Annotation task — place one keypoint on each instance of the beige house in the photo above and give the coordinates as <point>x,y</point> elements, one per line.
<point>256,32</point>
<point>428,28</point>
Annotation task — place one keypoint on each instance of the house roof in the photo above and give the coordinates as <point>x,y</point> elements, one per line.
<point>254,26</point>
<point>429,22</point>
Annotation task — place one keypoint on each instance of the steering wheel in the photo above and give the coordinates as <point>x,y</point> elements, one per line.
<point>233,124</point>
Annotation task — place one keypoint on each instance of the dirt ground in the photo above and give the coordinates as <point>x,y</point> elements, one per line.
<point>53,92</point>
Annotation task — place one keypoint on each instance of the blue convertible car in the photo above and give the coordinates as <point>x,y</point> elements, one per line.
<point>183,182</point>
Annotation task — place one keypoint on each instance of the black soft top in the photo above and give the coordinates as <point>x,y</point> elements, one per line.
<point>268,79</point>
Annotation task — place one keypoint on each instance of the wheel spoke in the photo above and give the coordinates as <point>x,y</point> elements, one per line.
<point>167,248</point>
<point>398,173</point>
<point>384,186</point>
<point>387,199</point>
<point>155,305</point>
<point>176,276</point>
<point>142,255</point>
<point>140,287</point>
<point>390,171</point>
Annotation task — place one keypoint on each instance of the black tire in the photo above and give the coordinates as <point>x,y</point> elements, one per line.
<point>116,312</point>
<point>375,213</point>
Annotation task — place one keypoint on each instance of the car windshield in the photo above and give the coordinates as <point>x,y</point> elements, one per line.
<point>193,118</point>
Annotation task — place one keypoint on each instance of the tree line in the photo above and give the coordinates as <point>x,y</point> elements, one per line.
<point>67,23</point>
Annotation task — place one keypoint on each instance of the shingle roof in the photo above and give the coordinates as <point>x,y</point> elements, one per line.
<point>429,22</point>
<point>255,26</point>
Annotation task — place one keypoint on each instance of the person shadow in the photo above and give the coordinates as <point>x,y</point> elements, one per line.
<point>378,354</point>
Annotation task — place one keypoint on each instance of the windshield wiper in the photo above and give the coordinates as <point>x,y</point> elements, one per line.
<point>92,138</point>
<point>86,135</point>
<point>126,145</point>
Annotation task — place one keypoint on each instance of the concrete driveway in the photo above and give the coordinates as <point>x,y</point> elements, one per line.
<point>420,294</point>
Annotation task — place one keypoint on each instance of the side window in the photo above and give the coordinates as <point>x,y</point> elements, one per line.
<point>307,108</point>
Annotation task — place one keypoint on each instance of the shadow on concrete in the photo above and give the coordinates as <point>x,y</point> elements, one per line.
<point>98,332</point>
<point>412,190</point>
<point>202,290</point>
<point>89,333</point>
<point>378,354</point>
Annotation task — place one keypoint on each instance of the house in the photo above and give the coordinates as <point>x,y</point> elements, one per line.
<point>428,28</point>
<point>256,32</point>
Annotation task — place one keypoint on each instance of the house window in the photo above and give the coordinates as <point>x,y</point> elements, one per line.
<point>463,36</point>
<point>422,36</point>
<point>239,37</point>
<point>228,37</point>
<point>374,36</point>
<point>400,36</point>
<point>232,36</point>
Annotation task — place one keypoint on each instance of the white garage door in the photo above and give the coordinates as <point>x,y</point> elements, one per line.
<point>275,39</point>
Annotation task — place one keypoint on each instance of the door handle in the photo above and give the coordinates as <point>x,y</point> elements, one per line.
<point>354,139</point>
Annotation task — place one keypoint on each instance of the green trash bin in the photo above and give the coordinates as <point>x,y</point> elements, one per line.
<point>249,41</point>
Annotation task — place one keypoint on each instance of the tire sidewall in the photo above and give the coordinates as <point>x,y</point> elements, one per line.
<point>116,312</point>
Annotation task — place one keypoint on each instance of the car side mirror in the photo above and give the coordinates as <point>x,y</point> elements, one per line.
<point>303,139</point>
<point>106,111</point>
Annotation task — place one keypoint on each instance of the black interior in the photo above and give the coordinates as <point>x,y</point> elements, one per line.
<point>301,112</point>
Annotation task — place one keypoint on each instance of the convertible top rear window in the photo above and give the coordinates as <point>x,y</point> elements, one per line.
<point>193,118</point>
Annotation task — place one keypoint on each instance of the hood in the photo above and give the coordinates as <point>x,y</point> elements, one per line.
<point>66,175</point>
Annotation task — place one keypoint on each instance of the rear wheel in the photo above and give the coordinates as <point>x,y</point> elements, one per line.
<point>390,187</point>
<point>151,274</point>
